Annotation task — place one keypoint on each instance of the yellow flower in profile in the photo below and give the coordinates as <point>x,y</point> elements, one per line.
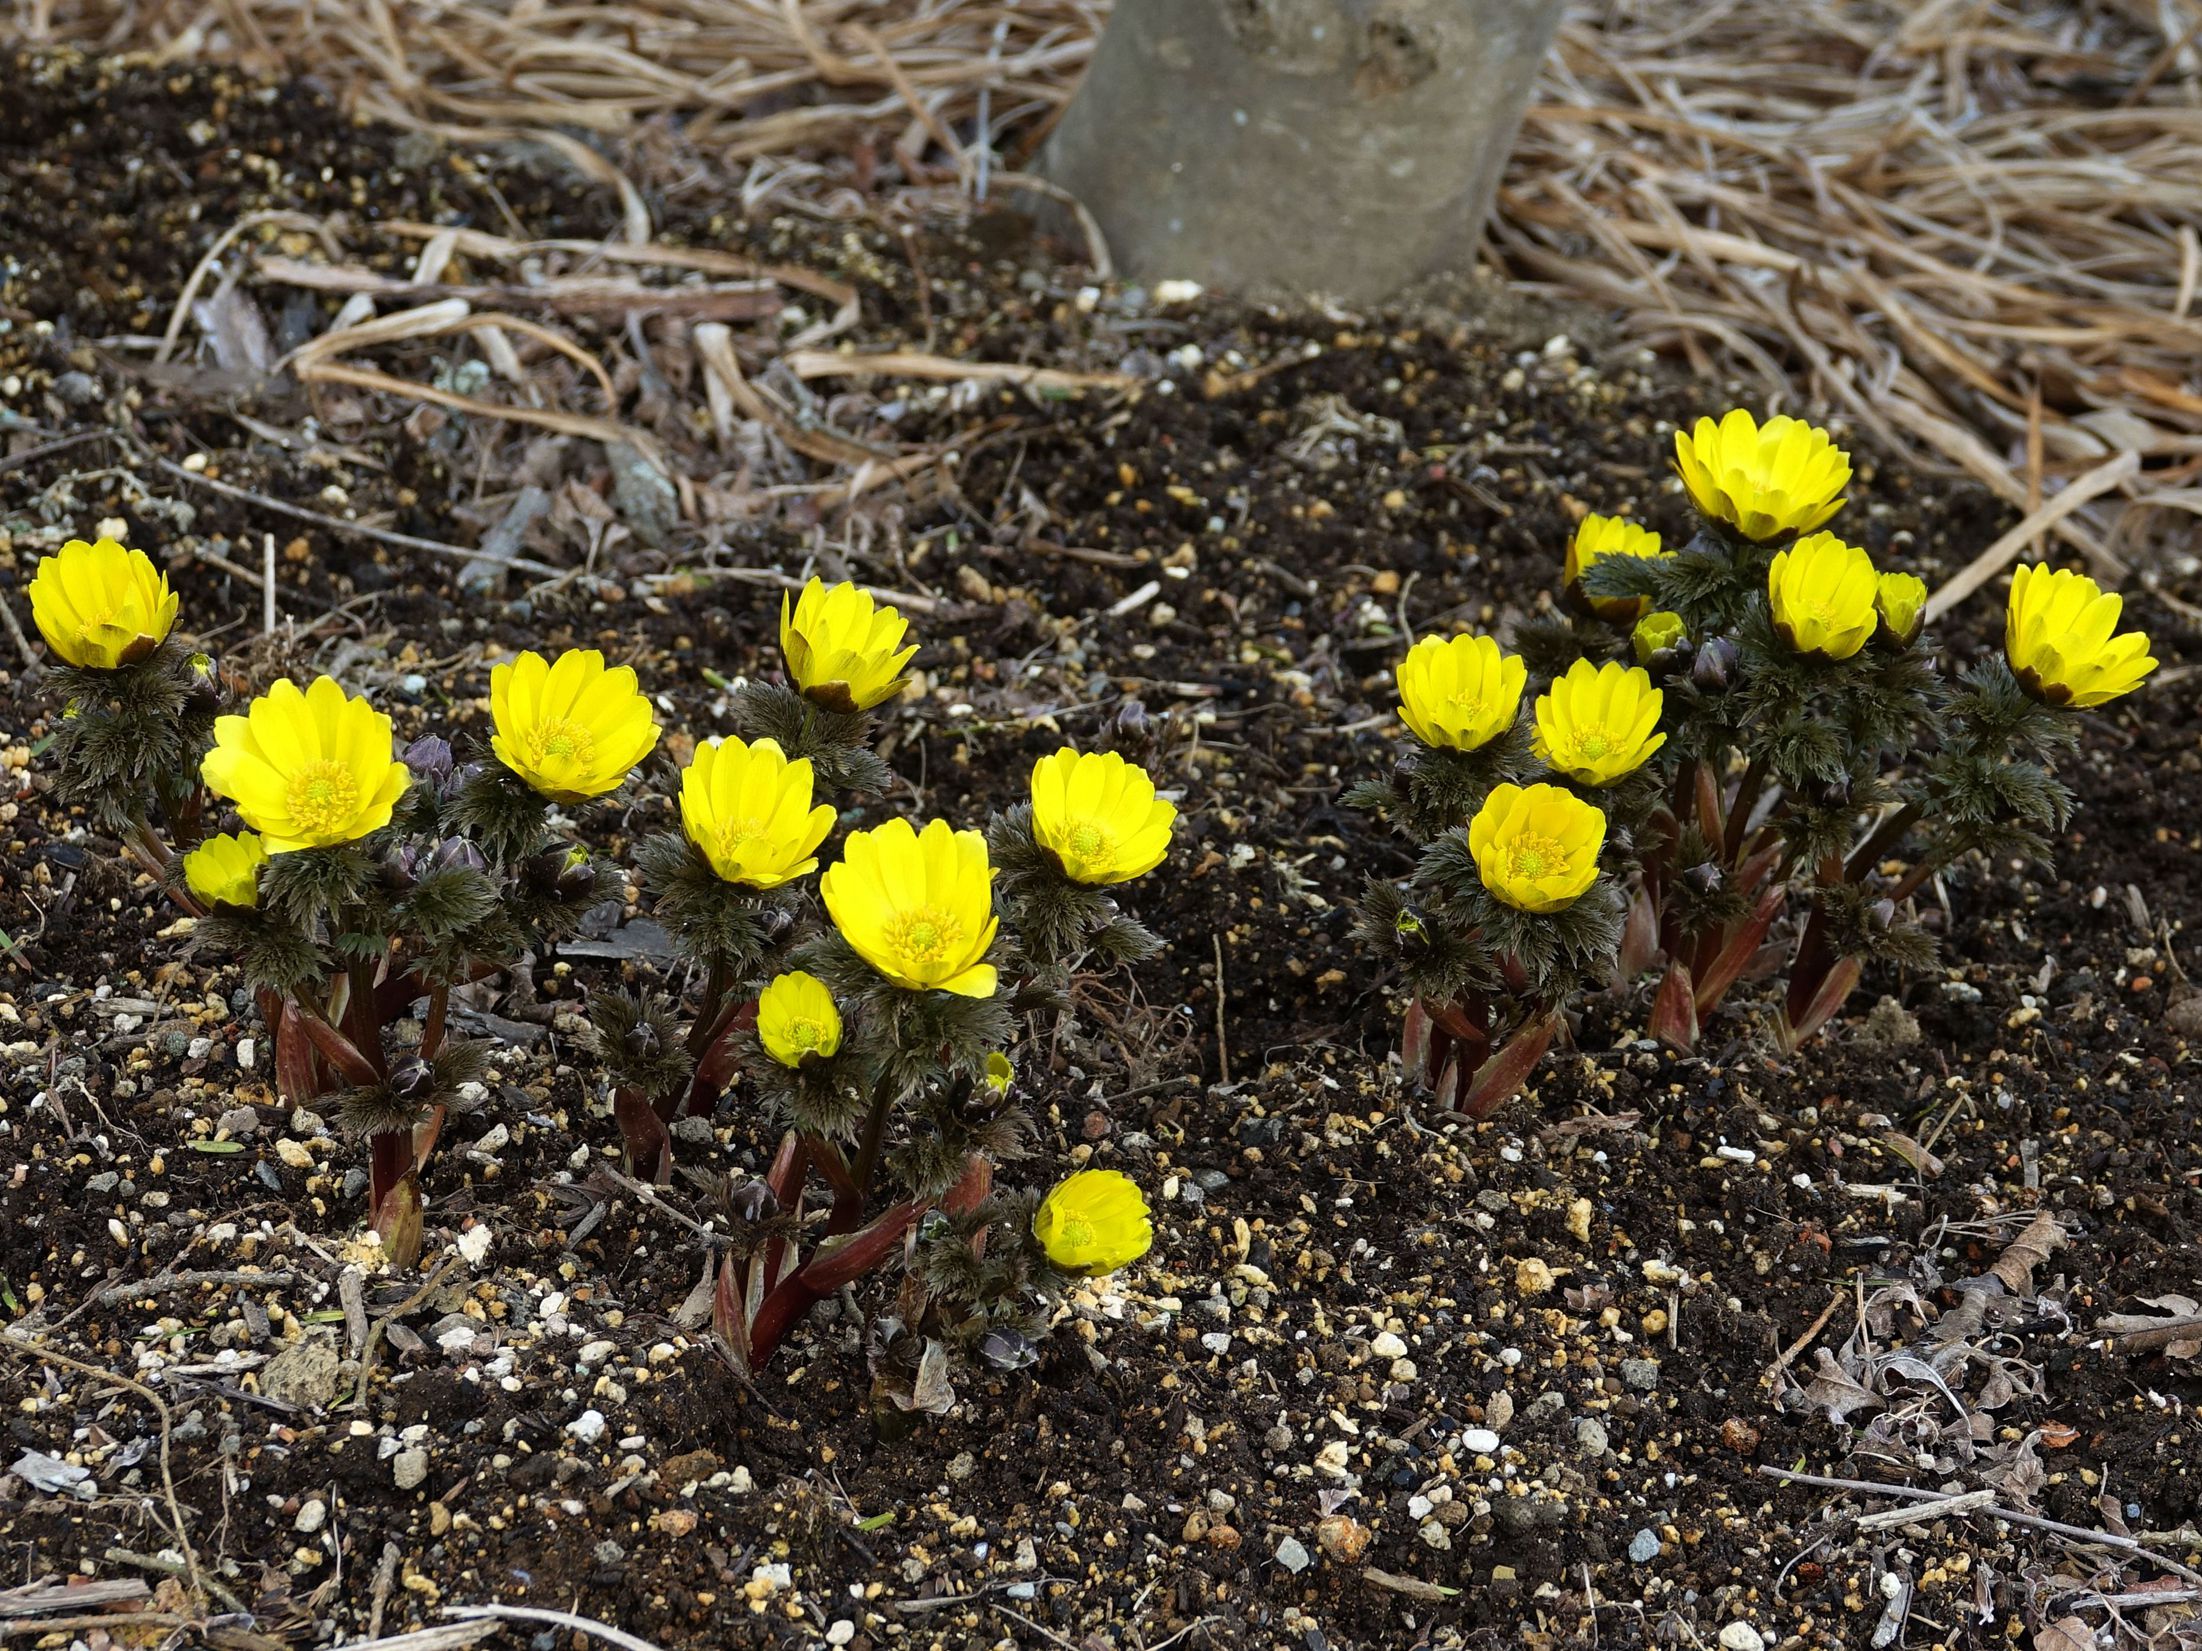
<point>1596,538</point>
<point>225,870</point>
<point>1536,847</point>
<point>1099,816</point>
<point>573,729</point>
<point>749,810</point>
<point>999,1073</point>
<point>918,907</point>
<point>1657,633</point>
<point>1599,722</point>
<point>99,605</point>
<point>844,650</point>
<point>796,1019</point>
<point>1459,693</point>
<point>1093,1223</point>
<point>1900,601</point>
<point>2058,637</point>
<point>307,769</point>
<point>1823,594</point>
<point>1764,480</point>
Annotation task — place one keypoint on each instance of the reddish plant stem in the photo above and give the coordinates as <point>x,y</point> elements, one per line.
<point>1739,814</point>
<point>1884,837</point>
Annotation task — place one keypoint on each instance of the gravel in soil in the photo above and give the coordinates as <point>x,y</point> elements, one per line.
<point>1379,1385</point>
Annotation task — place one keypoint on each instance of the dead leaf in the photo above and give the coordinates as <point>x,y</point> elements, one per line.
<point>2065,1634</point>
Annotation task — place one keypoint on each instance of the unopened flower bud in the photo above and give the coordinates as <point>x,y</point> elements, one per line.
<point>1705,877</point>
<point>752,1201</point>
<point>412,1079</point>
<point>564,871</point>
<point>458,854</point>
<point>1130,731</point>
<point>202,684</point>
<point>1715,663</point>
<point>430,759</point>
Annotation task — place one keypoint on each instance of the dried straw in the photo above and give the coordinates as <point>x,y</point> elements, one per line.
<point>1974,227</point>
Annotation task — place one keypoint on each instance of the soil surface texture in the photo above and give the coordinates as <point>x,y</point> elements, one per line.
<point>1380,1384</point>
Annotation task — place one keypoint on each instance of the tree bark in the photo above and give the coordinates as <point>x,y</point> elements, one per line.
<point>1340,147</point>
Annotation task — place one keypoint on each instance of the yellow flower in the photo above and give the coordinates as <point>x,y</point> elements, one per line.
<point>749,810</point>
<point>1823,593</point>
<point>225,870</point>
<point>844,651</point>
<point>796,1019</point>
<point>1599,722</point>
<point>1656,633</point>
<point>1900,600</point>
<point>1536,847</point>
<point>2057,636</point>
<point>919,908</point>
<point>1093,1223</point>
<point>1099,816</point>
<point>1596,538</point>
<point>1764,480</point>
<point>1459,693</point>
<point>306,769</point>
<point>100,605</point>
<point>999,1073</point>
<point>573,729</point>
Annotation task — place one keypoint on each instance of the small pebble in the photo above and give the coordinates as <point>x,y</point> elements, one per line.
<point>1480,1441</point>
<point>588,1427</point>
<point>408,1468</point>
<point>1590,1436</point>
<point>1641,1374</point>
<point>311,1517</point>
<point>1644,1547</point>
<point>1741,1636</point>
<point>1292,1554</point>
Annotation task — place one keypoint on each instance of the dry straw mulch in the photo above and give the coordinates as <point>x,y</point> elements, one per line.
<point>1973,226</point>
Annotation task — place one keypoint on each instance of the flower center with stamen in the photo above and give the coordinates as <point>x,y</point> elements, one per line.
<point>1593,744</point>
<point>1077,1234</point>
<point>806,1035</point>
<point>322,797</point>
<point>561,740</point>
<point>1533,858</point>
<point>925,935</point>
<point>736,837</point>
<point>1088,847</point>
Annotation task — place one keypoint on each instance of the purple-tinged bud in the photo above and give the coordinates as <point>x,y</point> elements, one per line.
<point>1714,665</point>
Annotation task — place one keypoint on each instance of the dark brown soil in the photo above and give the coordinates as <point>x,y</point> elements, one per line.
<point>1604,1276</point>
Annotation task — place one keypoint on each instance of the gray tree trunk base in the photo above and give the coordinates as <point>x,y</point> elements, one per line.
<point>1336,147</point>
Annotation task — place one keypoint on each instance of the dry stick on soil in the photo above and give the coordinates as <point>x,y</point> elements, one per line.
<point>2158,1336</point>
<point>39,1350</point>
<point>374,1333</point>
<point>1789,1355</point>
<point>336,524</point>
<point>810,364</point>
<point>172,1280</point>
<point>1993,560</point>
<point>2076,1533</point>
<point>557,1619</point>
<point>41,1598</point>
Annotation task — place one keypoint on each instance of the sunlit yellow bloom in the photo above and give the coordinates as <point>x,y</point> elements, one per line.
<point>1764,480</point>
<point>1655,633</point>
<point>307,769</point>
<point>1823,593</point>
<point>1900,600</point>
<point>999,1073</point>
<point>573,729</point>
<point>1536,847</point>
<point>1093,1223</point>
<point>100,605</point>
<point>1099,816</point>
<point>225,870</point>
<point>2057,636</point>
<point>1599,722</point>
<point>749,810</point>
<point>844,650</point>
<point>919,908</point>
<point>796,1018</point>
<point>1596,538</point>
<point>1459,693</point>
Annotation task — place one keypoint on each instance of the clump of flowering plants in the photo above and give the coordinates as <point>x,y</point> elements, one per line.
<point>360,886</point>
<point>873,1013</point>
<point>1742,760</point>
